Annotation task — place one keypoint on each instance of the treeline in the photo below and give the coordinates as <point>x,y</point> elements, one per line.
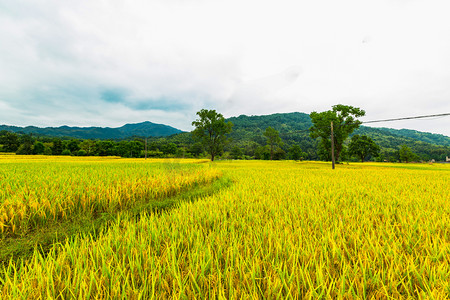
<point>180,145</point>
<point>27,144</point>
<point>391,142</point>
<point>288,138</point>
<point>183,146</point>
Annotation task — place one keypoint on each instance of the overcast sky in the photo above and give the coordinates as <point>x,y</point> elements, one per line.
<point>107,63</point>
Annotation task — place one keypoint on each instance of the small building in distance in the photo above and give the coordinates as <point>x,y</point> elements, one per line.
<point>447,159</point>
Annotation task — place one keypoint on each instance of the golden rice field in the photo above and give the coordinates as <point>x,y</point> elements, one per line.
<point>282,230</point>
<point>34,189</point>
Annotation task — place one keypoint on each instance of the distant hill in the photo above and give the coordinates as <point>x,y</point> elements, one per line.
<point>126,131</point>
<point>291,122</point>
<point>293,128</point>
<point>248,135</point>
<point>432,138</point>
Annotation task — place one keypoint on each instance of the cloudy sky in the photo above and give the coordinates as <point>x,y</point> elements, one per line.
<point>107,63</point>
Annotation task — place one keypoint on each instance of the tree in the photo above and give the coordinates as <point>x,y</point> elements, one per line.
<point>273,139</point>
<point>169,148</point>
<point>262,152</point>
<point>406,154</point>
<point>136,148</point>
<point>211,130</point>
<point>38,148</point>
<point>57,147</point>
<point>26,144</point>
<point>279,154</point>
<point>87,146</point>
<point>104,148</point>
<point>73,146</point>
<point>344,123</point>
<point>196,149</point>
<point>66,152</point>
<point>296,153</point>
<point>362,146</point>
<point>9,140</point>
<point>236,153</point>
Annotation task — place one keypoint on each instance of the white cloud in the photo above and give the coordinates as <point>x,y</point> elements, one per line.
<point>168,59</point>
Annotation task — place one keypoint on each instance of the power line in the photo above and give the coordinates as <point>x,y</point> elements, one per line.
<point>373,121</point>
<point>407,118</point>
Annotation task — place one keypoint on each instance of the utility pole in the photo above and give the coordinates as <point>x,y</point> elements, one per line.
<point>332,146</point>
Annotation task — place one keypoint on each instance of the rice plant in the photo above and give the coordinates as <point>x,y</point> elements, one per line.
<point>282,230</point>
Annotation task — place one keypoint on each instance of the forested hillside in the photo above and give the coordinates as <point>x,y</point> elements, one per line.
<point>293,128</point>
<point>247,140</point>
<point>103,133</point>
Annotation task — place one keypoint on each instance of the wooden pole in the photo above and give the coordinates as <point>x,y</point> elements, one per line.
<point>332,146</point>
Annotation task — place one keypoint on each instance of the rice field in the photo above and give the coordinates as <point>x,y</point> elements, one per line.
<point>281,230</point>
<point>34,190</point>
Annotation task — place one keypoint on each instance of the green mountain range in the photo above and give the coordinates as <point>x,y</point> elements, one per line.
<point>247,135</point>
<point>294,129</point>
<point>103,133</point>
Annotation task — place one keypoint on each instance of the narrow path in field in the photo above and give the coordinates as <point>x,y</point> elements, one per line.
<point>19,247</point>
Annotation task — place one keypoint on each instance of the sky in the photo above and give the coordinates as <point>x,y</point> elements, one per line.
<point>108,63</point>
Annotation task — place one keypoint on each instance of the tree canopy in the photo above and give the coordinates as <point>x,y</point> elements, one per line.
<point>273,139</point>
<point>344,123</point>
<point>405,154</point>
<point>362,146</point>
<point>211,130</point>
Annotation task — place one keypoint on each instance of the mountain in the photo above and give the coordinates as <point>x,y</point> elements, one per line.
<point>294,129</point>
<point>432,138</point>
<point>126,131</point>
<point>248,135</point>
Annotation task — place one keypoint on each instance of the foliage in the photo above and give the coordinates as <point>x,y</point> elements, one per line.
<point>57,147</point>
<point>262,152</point>
<point>38,148</point>
<point>296,153</point>
<point>66,152</point>
<point>390,140</point>
<point>362,146</point>
<point>344,123</point>
<point>236,153</point>
<point>10,141</point>
<point>273,139</point>
<point>405,154</point>
<point>431,138</point>
<point>211,130</point>
<point>143,129</point>
<point>247,134</point>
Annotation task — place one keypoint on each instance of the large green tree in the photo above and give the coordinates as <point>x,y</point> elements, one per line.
<point>344,120</point>
<point>406,154</point>
<point>211,130</point>
<point>273,139</point>
<point>362,146</point>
